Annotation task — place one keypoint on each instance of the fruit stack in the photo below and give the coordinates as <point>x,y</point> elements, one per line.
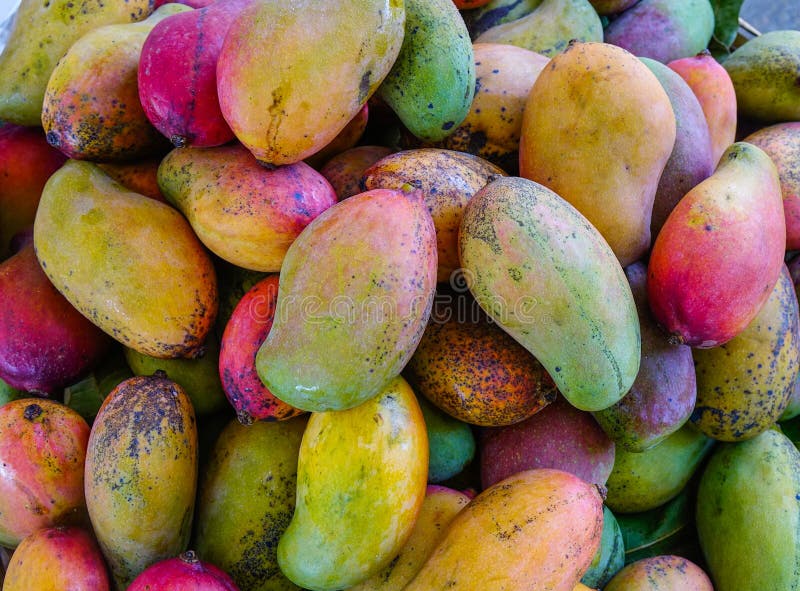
<point>486,295</point>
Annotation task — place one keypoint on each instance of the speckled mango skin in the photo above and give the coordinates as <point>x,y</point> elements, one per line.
<point>351,287</point>
<point>720,252</point>
<point>440,506</point>
<point>141,474</point>
<point>361,481</point>
<point>344,171</point>
<point>504,75</point>
<point>325,59</point>
<point>764,75</point>
<point>646,480</point>
<point>246,500</point>
<point>41,34</point>
<point>42,450</point>
<point>49,557</point>
<point>538,529</point>
<point>744,385</point>
<point>432,81</point>
<point>130,264</point>
<point>550,280</point>
<point>608,104</point>
<point>91,108</point>
<point>447,179</point>
<point>661,573</point>
<point>548,29</point>
<point>244,213</point>
<point>140,176</point>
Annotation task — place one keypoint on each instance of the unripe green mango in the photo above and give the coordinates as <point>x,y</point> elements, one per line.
<point>361,481</point>
<point>246,500</point>
<point>748,514</point>
<point>452,444</point>
<point>432,82</point>
<point>550,280</point>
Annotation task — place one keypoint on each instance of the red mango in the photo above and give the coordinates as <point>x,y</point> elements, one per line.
<point>184,573</point>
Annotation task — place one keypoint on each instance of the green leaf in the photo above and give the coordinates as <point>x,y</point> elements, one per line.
<point>726,22</point>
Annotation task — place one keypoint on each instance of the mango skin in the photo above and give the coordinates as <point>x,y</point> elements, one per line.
<point>764,75</point>
<point>610,557</point>
<point>361,481</point>
<point>663,30</point>
<point>344,171</point>
<point>140,176</point>
<point>495,13</point>
<point>749,497</point>
<point>447,179</point>
<point>246,500</point>
<point>720,252</point>
<point>450,441</point>
<point>661,573</point>
<point>344,53</point>
<point>609,104</point>
<point>130,264</point>
<point>539,529</point>
<point>141,474</point>
<point>41,34</point>
<point>432,81</point>
<point>242,212</point>
<point>545,274</point>
<point>100,117</point>
<point>327,303</point>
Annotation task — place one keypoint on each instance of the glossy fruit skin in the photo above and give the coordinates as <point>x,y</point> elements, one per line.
<point>661,573</point>
<point>45,343</point>
<point>43,448</point>
<point>344,171</point>
<point>244,333</point>
<point>184,573</point>
<point>48,558</point>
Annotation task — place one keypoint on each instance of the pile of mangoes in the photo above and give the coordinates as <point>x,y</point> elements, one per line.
<point>472,295</point>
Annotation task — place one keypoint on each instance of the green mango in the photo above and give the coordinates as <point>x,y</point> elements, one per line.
<point>198,376</point>
<point>764,75</point>
<point>87,396</point>
<point>246,500</point>
<point>42,32</point>
<point>432,82</point>
<point>452,444</point>
<point>610,557</point>
<point>549,29</point>
<point>646,480</point>
<point>496,12</point>
<point>550,280</point>
<point>748,514</point>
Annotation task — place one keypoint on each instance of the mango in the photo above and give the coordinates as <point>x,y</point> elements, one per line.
<point>42,450</point>
<point>130,264</point>
<point>440,506</point>
<point>361,477</point>
<point>41,33</point>
<point>548,29</point>
<point>325,60</point>
<point>242,212</point>
<point>344,171</point>
<point>100,117</point>
<point>347,138</point>
<point>451,444</point>
<point>744,385</point>
<point>781,142</point>
<point>447,179</point>
<point>559,436</point>
<point>326,302</point>
<point>496,12</point>
<point>141,474</point>
<point>646,480</point>
<point>610,557</point>
<point>665,390</point>
<point>234,282</point>
<point>48,558</point>
<point>504,75</point>
<point>712,86</point>
<point>749,497</point>
<point>186,570</point>
<point>246,500</point>
<point>609,104</point>
<point>549,279</point>
<point>538,529</point>
<point>663,30</point>
<point>720,252</point>
<point>661,573</point>
<point>764,75</point>
<point>140,176</point>
<point>432,81</point>
<point>611,7</point>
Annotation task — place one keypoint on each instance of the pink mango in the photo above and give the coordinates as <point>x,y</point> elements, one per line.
<point>184,573</point>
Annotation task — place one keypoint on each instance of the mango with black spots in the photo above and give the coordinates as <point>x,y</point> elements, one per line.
<point>246,500</point>
<point>141,474</point>
<point>661,573</point>
<point>130,264</point>
<point>432,81</point>
<point>744,385</point>
<point>344,170</point>
<point>547,277</point>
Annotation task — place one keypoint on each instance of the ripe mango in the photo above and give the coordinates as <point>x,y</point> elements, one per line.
<point>661,573</point>
<point>344,171</point>
<point>549,279</point>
